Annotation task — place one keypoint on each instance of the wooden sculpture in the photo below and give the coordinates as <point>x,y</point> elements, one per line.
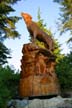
<point>38,77</point>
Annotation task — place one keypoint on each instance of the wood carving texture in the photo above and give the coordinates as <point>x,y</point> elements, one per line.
<point>38,77</point>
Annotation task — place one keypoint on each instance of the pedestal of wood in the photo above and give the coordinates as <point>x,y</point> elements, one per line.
<point>38,77</point>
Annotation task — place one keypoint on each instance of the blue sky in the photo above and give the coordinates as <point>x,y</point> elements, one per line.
<point>49,12</point>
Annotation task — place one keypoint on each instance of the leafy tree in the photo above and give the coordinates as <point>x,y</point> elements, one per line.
<point>7,27</point>
<point>9,81</point>
<point>65,20</point>
<point>64,72</point>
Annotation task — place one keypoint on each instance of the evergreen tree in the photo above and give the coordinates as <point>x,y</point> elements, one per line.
<point>43,26</point>
<point>7,27</point>
<point>64,72</point>
<point>7,22</point>
<point>4,54</point>
<point>9,81</point>
<point>65,20</point>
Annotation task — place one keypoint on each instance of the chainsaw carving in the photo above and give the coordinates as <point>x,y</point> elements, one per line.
<point>38,77</point>
<point>37,33</point>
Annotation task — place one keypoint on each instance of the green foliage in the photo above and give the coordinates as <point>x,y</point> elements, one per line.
<point>43,26</point>
<point>7,27</point>
<point>7,23</point>
<point>65,20</point>
<point>64,72</point>
<point>9,81</point>
<point>57,51</point>
<point>4,54</point>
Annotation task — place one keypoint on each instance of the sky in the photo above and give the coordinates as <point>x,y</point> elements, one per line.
<point>49,13</point>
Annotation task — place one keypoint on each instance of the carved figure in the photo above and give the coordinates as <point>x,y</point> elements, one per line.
<point>37,33</point>
<point>50,67</point>
<point>40,64</point>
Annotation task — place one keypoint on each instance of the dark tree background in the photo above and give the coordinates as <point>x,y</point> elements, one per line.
<point>7,27</point>
<point>9,78</point>
<point>9,81</point>
<point>64,72</point>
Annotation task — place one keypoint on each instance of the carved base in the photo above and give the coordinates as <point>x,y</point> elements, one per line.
<point>38,76</point>
<point>39,86</point>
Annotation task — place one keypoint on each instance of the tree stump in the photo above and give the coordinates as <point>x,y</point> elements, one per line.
<point>38,77</point>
